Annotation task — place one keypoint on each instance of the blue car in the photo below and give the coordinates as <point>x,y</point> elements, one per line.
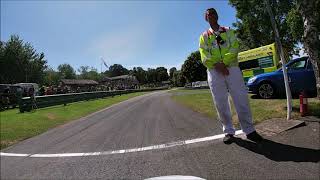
<point>300,75</point>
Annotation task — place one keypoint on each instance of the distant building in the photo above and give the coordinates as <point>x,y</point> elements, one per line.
<point>78,85</point>
<point>120,82</point>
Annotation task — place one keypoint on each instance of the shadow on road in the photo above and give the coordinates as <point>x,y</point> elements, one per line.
<point>280,152</point>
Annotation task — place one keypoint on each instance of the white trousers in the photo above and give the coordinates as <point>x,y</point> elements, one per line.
<point>233,84</point>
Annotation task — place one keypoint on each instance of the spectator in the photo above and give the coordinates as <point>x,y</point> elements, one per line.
<point>42,91</point>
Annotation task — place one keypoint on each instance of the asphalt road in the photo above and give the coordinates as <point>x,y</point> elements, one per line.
<point>155,119</point>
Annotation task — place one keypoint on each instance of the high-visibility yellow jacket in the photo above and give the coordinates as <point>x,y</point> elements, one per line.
<point>212,54</point>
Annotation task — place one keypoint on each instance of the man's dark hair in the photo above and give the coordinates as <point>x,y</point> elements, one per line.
<point>210,11</point>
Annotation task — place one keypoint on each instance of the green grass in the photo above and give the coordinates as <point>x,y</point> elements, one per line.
<point>17,126</point>
<point>201,101</point>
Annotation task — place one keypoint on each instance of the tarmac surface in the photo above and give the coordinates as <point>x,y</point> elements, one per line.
<point>155,119</point>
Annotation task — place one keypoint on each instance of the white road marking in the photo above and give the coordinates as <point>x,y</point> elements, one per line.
<point>13,154</point>
<point>177,177</point>
<point>122,151</point>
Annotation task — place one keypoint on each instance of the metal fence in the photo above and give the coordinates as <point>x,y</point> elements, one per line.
<point>29,103</point>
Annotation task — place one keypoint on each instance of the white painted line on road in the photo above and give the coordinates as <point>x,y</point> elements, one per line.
<point>13,154</point>
<point>122,151</point>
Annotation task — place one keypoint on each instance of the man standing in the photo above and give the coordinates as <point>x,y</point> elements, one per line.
<point>219,53</point>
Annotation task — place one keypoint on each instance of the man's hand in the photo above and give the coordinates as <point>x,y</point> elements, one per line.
<point>222,68</point>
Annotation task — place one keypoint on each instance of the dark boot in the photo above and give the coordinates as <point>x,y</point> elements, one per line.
<point>255,137</point>
<point>228,139</point>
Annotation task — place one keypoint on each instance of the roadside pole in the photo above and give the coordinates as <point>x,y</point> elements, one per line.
<point>284,70</point>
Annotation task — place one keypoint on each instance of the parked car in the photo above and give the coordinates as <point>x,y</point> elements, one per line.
<point>28,88</point>
<point>9,96</point>
<point>300,75</point>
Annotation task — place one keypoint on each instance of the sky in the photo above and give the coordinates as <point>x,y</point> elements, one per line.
<point>145,34</point>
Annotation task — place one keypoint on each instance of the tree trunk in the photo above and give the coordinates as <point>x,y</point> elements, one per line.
<point>311,38</point>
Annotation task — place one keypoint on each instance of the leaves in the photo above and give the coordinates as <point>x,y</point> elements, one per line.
<point>178,79</point>
<point>20,62</point>
<point>140,74</point>
<point>171,71</point>
<point>66,71</point>
<point>254,27</point>
<point>87,72</point>
<point>117,70</point>
<point>295,23</point>
<point>51,77</point>
<point>162,74</point>
<point>193,69</point>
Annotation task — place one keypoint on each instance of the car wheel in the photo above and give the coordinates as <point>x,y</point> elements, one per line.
<point>266,91</point>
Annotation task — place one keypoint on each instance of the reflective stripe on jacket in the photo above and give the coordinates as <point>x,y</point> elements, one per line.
<point>210,52</point>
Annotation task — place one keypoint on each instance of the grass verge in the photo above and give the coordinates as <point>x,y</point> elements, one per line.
<point>17,126</point>
<point>262,109</point>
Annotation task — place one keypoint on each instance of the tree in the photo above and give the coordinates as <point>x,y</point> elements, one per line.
<point>193,69</point>
<point>140,74</point>
<point>254,27</point>
<point>117,70</point>
<point>295,24</point>
<point>178,79</point>
<point>157,75</point>
<point>36,69</point>
<point>19,62</point>
<point>87,72</point>
<point>171,71</point>
<point>151,76</point>
<point>311,37</point>
<point>94,75</point>
<point>162,74</point>
<point>51,77</point>
<point>66,71</point>
<point>83,70</point>
<point>4,74</point>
